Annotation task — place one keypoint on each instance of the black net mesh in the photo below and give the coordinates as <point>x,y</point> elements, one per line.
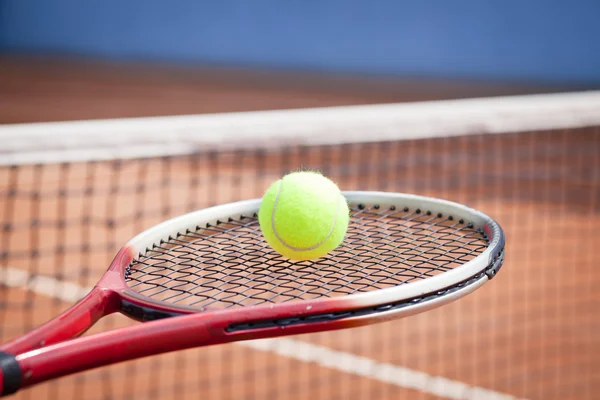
<point>531,333</point>
<point>230,263</point>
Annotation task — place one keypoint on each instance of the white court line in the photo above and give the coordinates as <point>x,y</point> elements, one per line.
<point>295,349</point>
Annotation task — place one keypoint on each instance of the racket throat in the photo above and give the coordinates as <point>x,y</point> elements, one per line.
<point>73,322</point>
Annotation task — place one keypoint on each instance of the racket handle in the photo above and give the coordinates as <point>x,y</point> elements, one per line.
<point>10,374</point>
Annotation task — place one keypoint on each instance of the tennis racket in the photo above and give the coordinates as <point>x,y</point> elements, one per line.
<point>208,277</point>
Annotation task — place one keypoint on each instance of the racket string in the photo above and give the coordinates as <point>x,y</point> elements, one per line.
<point>229,264</point>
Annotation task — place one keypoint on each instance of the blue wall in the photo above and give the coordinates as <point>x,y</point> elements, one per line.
<point>543,40</point>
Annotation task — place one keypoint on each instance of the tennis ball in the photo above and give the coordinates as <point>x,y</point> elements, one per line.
<point>303,216</point>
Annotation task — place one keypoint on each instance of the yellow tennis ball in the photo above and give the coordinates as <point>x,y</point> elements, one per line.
<point>304,216</point>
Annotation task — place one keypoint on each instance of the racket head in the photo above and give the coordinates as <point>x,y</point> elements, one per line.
<point>418,253</point>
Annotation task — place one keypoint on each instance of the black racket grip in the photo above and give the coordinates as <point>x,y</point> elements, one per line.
<point>11,374</point>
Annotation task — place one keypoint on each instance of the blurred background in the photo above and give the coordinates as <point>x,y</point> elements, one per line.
<point>68,59</point>
<point>71,194</point>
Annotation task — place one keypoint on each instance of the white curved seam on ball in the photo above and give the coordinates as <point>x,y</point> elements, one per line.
<point>287,244</point>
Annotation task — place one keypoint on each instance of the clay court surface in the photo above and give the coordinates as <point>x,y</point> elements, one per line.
<point>532,333</point>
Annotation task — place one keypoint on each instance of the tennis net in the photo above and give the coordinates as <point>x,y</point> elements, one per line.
<point>73,192</point>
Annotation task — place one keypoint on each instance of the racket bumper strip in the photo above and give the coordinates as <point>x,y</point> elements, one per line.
<point>11,374</point>
<point>496,264</point>
<point>495,234</point>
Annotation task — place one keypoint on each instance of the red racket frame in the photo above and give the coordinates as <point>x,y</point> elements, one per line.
<point>54,349</point>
